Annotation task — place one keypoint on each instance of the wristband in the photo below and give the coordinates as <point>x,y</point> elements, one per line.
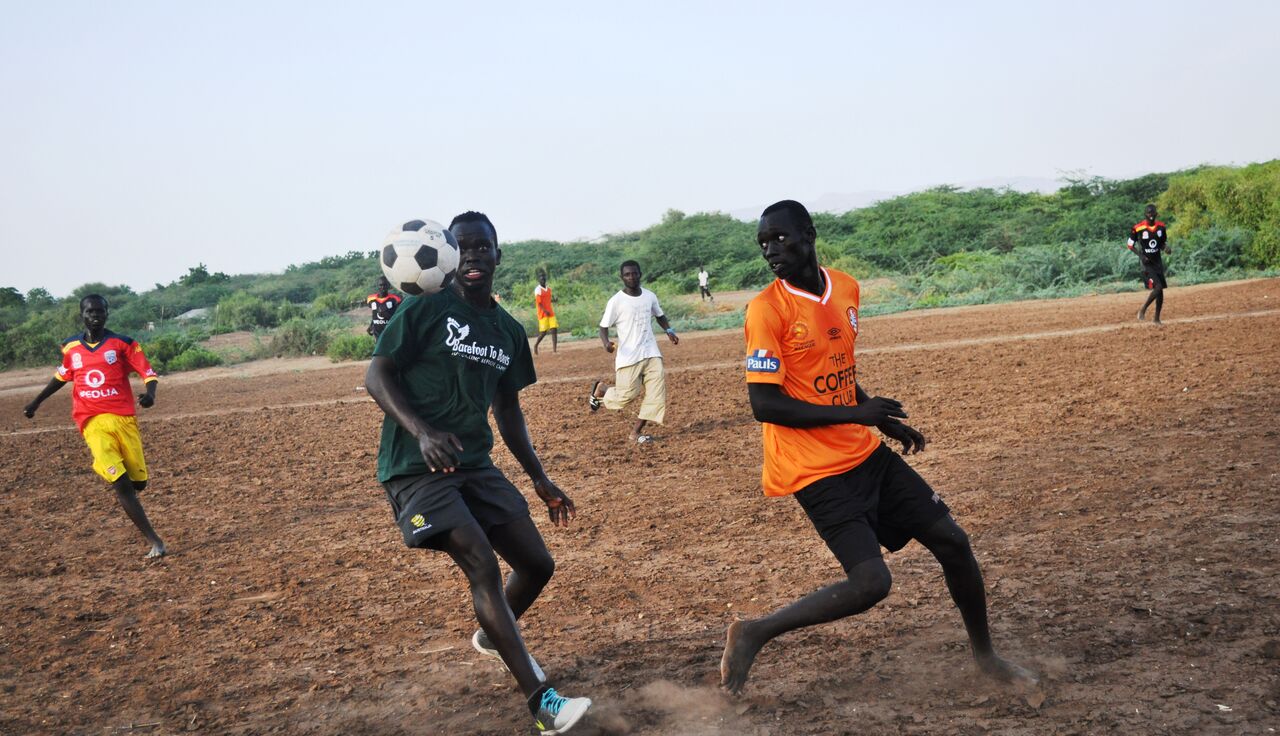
<point>671,331</point>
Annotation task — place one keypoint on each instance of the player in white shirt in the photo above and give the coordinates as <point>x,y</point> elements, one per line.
<point>638,365</point>
<point>703,289</point>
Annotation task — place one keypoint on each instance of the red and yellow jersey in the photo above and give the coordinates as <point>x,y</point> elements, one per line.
<point>542,300</point>
<point>805,344</point>
<point>99,373</point>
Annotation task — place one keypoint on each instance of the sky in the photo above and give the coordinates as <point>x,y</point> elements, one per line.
<point>138,139</point>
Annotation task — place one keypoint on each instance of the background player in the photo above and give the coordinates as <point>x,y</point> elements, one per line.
<point>638,365</point>
<point>382,305</point>
<point>704,290</point>
<point>818,446</point>
<point>444,360</point>
<point>542,299</point>
<point>1148,239</point>
<point>98,362</point>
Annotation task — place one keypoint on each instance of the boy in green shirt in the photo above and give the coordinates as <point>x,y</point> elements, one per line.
<point>439,365</point>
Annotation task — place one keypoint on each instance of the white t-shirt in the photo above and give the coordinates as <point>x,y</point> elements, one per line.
<point>702,278</point>
<point>633,316</point>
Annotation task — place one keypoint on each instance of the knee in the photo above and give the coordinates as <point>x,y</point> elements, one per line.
<point>139,485</point>
<point>481,569</point>
<point>873,577</point>
<point>538,570</point>
<point>952,547</point>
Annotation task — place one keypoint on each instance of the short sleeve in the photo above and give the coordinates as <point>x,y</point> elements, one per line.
<point>66,371</point>
<point>654,307</point>
<point>610,317</point>
<point>138,361</point>
<point>398,340</point>
<point>521,372</point>
<point>764,331</point>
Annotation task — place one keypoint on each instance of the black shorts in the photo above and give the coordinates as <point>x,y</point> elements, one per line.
<point>880,502</point>
<point>1153,275</point>
<point>426,505</point>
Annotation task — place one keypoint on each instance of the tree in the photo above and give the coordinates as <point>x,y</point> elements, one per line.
<point>11,297</point>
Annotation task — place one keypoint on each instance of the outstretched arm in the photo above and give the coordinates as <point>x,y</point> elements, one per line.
<point>438,448</point>
<point>770,404</point>
<point>509,417</point>
<point>50,389</point>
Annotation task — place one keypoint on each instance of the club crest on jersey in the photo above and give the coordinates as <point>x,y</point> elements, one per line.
<point>852,312</point>
<point>762,361</point>
<point>110,355</point>
<point>76,361</point>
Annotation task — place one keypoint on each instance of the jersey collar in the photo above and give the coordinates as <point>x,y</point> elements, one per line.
<point>826,294</point>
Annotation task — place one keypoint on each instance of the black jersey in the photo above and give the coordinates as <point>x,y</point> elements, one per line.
<point>381,308</point>
<point>1147,239</point>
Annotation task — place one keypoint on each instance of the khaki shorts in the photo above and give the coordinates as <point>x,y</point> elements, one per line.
<point>646,377</point>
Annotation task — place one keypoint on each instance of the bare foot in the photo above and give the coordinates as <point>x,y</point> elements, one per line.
<point>1157,321</point>
<point>740,651</point>
<point>1005,671</point>
<point>1142,315</point>
<point>157,551</point>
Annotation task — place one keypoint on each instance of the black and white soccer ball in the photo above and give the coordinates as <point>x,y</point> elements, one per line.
<point>421,257</point>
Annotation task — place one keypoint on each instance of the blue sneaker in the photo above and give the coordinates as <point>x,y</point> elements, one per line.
<point>557,715</point>
<point>480,642</point>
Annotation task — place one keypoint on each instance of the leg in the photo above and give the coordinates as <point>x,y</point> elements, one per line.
<point>554,340</point>
<point>627,386</point>
<point>538,342</point>
<point>868,584</point>
<point>470,549</point>
<point>127,495</point>
<point>654,407</point>
<point>638,430</point>
<point>1158,294</point>
<point>520,544</point>
<point>1142,313</point>
<point>950,545</point>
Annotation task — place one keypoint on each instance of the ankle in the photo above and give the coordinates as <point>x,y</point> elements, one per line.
<point>535,700</point>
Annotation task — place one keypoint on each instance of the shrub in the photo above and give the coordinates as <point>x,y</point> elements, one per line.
<point>164,348</point>
<point>299,337</point>
<point>194,357</point>
<point>350,347</point>
<point>243,311</point>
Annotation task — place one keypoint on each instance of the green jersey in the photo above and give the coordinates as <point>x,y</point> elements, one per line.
<point>452,358</point>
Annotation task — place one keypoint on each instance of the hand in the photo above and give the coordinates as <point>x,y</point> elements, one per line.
<point>675,340</point>
<point>912,441</point>
<point>440,450</point>
<point>29,411</point>
<point>877,411</point>
<point>559,507</point>
<point>146,401</point>
<point>611,347</point>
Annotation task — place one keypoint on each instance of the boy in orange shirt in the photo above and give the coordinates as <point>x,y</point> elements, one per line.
<point>818,446</point>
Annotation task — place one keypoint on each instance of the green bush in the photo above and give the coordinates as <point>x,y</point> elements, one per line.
<point>350,347</point>
<point>243,311</point>
<point>300,337</point>
<point>162,349</point>
<point>193,358</point>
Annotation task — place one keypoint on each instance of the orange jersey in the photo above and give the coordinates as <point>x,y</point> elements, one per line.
<point>542,300</point>
<point>804,343</point>
<point>100,375</point>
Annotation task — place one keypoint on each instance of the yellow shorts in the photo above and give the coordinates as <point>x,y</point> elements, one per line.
<point>116,447</point>
<point>547,323</point>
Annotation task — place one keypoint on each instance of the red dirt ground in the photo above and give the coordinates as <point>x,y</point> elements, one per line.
<point>1119,481</point>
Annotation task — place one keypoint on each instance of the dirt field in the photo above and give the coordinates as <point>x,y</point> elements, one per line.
<point>1120,482</point>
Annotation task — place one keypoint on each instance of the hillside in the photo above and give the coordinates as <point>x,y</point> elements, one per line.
<point>938,247</point>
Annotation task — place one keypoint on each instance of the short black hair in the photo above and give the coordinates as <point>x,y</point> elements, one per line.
<point>1149,207</point>
<point>98,297</point>
<point>473,216</point>
<point>797,211</point>
<point>630,263</point>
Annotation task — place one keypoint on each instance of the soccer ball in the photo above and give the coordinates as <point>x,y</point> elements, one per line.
<point>421,257</point>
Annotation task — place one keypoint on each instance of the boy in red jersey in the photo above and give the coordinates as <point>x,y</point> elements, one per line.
<point>98,362</point>
<point>802,382</point>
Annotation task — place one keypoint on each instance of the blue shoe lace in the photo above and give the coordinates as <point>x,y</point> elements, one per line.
<point>552,702</point>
